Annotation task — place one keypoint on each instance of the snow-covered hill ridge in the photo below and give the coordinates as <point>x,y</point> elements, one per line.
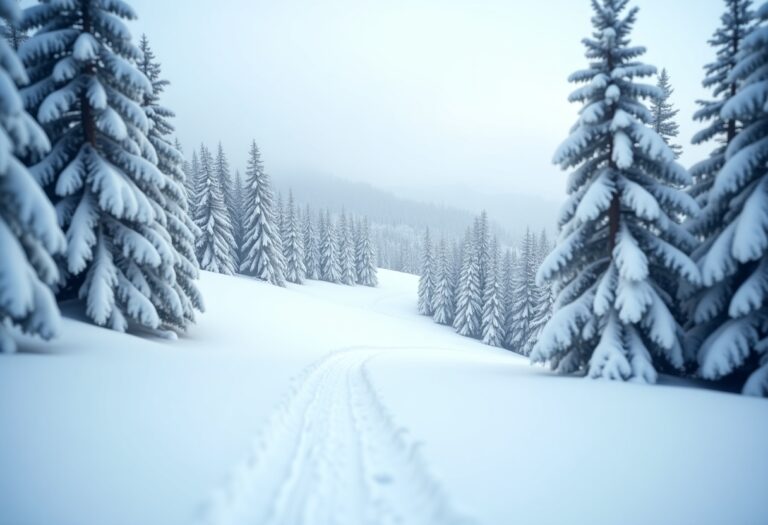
<point>100,427</point>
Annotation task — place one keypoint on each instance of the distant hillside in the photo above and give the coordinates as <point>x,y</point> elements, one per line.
<point>381,206</point>
<point>512,212</point>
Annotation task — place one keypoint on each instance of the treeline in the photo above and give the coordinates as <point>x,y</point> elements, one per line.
<point>244,228</point>
<point>484,290</point>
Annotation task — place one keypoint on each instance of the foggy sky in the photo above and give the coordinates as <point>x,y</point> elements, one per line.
<point>403,92</point>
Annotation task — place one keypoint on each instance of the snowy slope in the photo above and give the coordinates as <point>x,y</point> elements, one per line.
<point>304,404</point>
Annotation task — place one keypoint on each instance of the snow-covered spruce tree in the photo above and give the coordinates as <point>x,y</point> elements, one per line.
<point>346,251</point>
<point>215,244</point>
<point>508,266</point>
<point>736,22</point>
<point>280,217</point>
<point>493,302</point>
<point>224,175</point>
<point>87,93</point>
<point>355,228</point>
<point>365,257</point>
<point>482,239</point>
<point>237,212</point>
<point>456,260</point>
<point>427,278</point>
<point>617,234</point>
<point>293,246</point>
<point>523,296</point>
<point>193,180</point>
<point>442,298</point>
<point>311,251</point>
<point>173,282</point>
<point>664,114</point>
<point>469,300</point>
<point>262,248</point>
<point>735,266</point>
<point>330,268</point>
<point>29,233</point>
<point>543,295</point>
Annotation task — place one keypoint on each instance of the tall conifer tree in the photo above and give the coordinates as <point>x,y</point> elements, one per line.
<point>442,299</point>
<point>87,93</point>
<point>365,256</point>
<point>311,245</point>
<point>493,321</point>
<point>427,279</point>
<point>330,269</point>
<point>619,233</point>
<point>469,300</point>
<point>293,246</point>
<point>262,250</point>
<point>215,244</point>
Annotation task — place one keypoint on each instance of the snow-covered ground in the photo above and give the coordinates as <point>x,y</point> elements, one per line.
<point>328,404</point>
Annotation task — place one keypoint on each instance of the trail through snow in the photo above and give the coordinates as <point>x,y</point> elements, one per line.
<point>331,454</point>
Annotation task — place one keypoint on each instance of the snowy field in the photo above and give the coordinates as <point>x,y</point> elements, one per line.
<point>328,404</point>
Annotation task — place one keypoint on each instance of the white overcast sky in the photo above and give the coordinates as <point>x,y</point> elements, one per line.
<point>403,92</point>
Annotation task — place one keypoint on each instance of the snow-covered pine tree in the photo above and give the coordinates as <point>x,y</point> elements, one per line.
<point>311,250</point>
<point>356,227</point>
<point>293,246</point>
<point>456,260</point>
<point>664,114</point>
<point>543,295</point>
<point>262,249</point>
<point>173,282</point>
<point>494,316</point>
<point>346,251</point>
<point>237,212</point>
<point>508,267</point>
<point>736,22</point>
<point>427,278</point>
<point>215,244</point>
<point>224,175</point>
<point>469,300</point>
<point>365,257</point>
<point>29,233</point>
<point>442,298</point>
<point>87,92</point>
<point>482,239</point>
<point>330,268</point>
<point>523,296</point>
<point>617,234</point>
<point>735,265</point>
<point>193,181</point>
<point>280,217</point>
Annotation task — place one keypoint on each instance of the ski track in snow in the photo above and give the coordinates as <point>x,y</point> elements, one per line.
<point>331,454</point>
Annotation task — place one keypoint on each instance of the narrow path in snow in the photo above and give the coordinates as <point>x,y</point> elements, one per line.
<point>331,454</point>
